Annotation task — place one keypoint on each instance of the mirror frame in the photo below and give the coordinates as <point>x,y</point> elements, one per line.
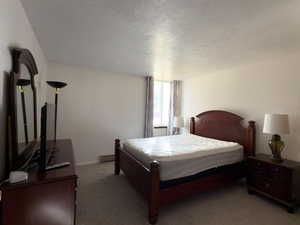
<point>20,56</point>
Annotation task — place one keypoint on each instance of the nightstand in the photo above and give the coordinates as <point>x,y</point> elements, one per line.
<point>278,181</point>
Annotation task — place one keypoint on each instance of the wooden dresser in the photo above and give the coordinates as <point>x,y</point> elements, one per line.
<point>47,198</point>
<point>279,181</point>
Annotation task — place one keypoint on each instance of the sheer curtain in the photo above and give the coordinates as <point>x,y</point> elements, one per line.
<point>148,128</point>
<point>175,103</point>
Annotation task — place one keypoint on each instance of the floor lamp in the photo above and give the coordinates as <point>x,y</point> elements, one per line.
<point>56,85</point>
<point>21,83</point>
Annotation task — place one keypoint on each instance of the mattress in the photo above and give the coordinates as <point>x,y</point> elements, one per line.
<point>184,155</point>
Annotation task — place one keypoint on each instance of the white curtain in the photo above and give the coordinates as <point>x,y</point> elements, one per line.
<point>175,103</point>
<point>148,128</point>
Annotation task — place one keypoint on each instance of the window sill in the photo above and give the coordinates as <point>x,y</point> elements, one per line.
<point>160,127</point>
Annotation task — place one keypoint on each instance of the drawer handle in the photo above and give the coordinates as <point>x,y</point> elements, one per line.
<point>276,170</point>
<point>267,185</point>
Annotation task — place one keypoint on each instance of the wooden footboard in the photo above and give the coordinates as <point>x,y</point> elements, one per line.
<point>219,125</point>
<point>145,180</point>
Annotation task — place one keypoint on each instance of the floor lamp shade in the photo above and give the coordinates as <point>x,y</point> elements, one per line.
<point>23,82</point>
<point>56,84</point>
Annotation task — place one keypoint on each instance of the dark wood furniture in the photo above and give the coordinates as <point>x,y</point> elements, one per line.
<point>14,160</point>
<point>47,198</point>
<point>278,181</point>
<point>214,124</point>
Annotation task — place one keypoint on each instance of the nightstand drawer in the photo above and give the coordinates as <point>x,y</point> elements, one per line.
<point>258,167</point>
<point>269,171</point>
<point>275,188</point>
<point>279,181</point>
<point>260,183</point>
<point>279,173</point>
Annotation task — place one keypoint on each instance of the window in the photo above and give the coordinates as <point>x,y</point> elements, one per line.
<point>162,91</point>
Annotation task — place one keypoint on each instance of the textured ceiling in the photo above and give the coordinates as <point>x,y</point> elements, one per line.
<point>165,38</point>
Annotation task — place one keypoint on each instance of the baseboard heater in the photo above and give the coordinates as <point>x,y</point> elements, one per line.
<point>106,158</point>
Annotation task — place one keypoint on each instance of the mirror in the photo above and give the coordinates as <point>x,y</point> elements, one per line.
<point>25,118</point>
<point>22,110</point>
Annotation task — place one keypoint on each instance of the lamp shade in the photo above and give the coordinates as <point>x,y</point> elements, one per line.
<point>56,84</point>
<point>178,121</point>
<point>23,82</point>
<point>276,124</point>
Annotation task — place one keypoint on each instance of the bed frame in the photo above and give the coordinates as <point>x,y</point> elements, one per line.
<point>220,125</point>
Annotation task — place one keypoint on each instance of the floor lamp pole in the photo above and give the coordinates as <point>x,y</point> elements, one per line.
<point>21,83</point>
<point>24,113</point>
<point>56,101</point>
<point>57,85</point>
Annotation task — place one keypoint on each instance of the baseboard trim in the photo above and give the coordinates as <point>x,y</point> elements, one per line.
<point>102,159</point>
<point>87,163</point>
<point>106,158</point>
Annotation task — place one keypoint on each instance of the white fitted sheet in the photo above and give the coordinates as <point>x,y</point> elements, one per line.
<point>184,155</point>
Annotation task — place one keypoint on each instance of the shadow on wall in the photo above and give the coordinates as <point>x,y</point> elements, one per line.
<point>3,124</point>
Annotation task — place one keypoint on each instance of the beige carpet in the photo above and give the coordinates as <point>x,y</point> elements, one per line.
<point>105,199</point>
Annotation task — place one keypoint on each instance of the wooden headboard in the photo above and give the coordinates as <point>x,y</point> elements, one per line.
<point>225,126</point>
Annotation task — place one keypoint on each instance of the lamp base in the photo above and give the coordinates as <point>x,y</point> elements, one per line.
<point>276,159</point>
<point>276,146</point>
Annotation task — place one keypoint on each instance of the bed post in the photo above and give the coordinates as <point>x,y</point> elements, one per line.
<point>192,125</point>
<point>117,156</point>
<point>154,200</point>
<point>251,132</point>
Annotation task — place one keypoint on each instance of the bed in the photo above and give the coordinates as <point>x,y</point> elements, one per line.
<point>165,169</point>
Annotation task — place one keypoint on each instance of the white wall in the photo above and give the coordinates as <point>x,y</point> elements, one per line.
<point>96,107</point>
<point>15,31</point>
<point>269,86</point>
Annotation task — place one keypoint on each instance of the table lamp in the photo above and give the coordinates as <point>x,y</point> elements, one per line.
<point>56,85</point>
<point>276,124</point>
<point>178,122</point>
